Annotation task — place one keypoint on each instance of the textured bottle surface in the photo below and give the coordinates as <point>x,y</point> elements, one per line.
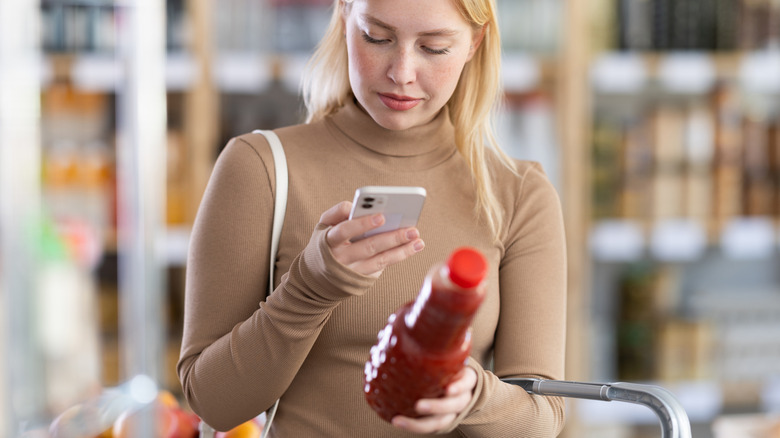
<point>426,342</point>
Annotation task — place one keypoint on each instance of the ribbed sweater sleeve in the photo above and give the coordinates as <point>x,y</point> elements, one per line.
<point>242,368</point>
<point>530,337</point>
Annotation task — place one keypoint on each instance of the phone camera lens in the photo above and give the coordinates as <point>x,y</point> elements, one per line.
<point>368,199</point>
<point>366,205</point>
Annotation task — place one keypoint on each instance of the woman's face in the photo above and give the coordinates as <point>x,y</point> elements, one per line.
<point>405,57</point>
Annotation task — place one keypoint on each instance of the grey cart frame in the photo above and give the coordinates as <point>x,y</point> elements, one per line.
<point>673,418</point>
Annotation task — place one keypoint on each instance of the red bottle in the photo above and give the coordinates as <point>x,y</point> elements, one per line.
<point>427,341</point>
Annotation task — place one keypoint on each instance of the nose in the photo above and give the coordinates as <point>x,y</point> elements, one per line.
<point>402,69</point>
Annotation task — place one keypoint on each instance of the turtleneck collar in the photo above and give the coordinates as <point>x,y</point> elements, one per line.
<point>435,140</point>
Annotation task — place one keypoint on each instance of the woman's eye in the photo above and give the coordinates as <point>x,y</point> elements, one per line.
<point>371,40</point>
<point>433,51</point>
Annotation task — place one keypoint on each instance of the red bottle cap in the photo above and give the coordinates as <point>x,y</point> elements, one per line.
<point>468,267</point>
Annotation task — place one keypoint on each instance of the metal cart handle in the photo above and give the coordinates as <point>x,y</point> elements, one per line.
<point>674,420</point>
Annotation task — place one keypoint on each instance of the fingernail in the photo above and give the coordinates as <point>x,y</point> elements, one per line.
<point>377,219</point>
<point>423,407</point>
<point>398,422</point>
<point>419,245</point>
<point>412,234</point>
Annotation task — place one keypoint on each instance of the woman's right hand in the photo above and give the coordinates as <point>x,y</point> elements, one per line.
<point>369,256</point>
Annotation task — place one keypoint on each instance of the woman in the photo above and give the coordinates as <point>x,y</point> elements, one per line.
<point>400,92</point>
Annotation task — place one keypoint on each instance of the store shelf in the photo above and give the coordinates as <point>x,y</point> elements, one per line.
<point>251,73</point>
<point>521,72</point>
<point>617,241</point>
<point>677,240</point>
<point>619,73</point>
<point>687,73</point>
<point>173,246</point>
<point>684,72</point>
<point>760,72</point>
<point>683,235</point>
<point>682,240</point>
<point>103,73</point>
<point>749,238</point>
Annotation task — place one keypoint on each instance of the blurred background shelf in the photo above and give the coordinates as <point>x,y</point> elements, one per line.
<point>657,120</point>
<point>683,113</point>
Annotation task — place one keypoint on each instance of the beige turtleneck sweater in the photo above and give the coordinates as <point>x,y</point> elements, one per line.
<point>308,342</point>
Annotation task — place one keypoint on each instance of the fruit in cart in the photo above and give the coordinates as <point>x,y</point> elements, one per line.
<point>166,398</point>
<point>98,419</point>
<point>78,421</point>
<point>248,429</point>
<point>108,433</point>
<point>171,421</point>
<point>186,417</point>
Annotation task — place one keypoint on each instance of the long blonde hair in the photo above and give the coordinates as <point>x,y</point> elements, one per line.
<point>472,108</point>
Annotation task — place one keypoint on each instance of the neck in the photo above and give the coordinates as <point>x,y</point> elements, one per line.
<point>432,137</point>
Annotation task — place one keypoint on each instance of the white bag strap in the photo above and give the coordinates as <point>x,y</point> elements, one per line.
<point>280,207</point>
<point>280,202</point>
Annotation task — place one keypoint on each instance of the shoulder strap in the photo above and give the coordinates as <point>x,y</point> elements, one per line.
<point>280,208</point>
<point>280,199</point>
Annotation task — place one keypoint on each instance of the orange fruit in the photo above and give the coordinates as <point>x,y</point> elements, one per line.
<point>166,398</point>
<point>247,429</point>
<point>108,433</point>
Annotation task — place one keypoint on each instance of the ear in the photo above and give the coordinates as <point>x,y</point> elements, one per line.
<point>476,40</point>
<point>345,6</point>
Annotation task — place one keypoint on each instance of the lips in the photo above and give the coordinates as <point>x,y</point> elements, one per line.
<point>399,103</point>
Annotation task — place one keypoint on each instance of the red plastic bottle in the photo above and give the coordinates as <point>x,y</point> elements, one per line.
<point>427,341</point>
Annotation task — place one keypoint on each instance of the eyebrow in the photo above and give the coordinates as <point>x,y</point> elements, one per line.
<point>435,32</point>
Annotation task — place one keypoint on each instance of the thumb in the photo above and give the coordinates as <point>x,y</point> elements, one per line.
<point>336,214</point>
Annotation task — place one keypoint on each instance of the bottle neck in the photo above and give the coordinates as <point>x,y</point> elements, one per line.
<point>441,315</point>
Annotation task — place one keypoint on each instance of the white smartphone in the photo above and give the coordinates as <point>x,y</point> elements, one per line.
<point>400,205</point>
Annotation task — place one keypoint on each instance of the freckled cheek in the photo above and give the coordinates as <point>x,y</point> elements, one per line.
<point>364,67</point>
<point>447,75</point>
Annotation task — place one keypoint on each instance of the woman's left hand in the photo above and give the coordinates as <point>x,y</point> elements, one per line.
<point>439,413</point>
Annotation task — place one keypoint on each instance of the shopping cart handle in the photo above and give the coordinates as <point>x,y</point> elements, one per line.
<point>674,420</point>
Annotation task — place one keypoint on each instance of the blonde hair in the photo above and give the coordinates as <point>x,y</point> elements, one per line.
<point>472,107</point>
